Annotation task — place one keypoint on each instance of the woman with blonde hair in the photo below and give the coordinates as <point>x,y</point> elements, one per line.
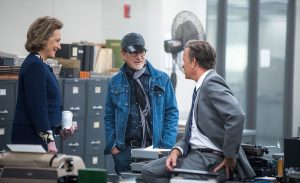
<point>38,110</point>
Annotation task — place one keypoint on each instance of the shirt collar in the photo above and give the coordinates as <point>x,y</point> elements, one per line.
<point>201,79</point>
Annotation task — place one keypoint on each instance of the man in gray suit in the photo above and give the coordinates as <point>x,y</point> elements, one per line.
<point>213,134</point>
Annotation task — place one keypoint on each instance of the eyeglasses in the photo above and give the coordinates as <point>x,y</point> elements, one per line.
<point>137,53</point>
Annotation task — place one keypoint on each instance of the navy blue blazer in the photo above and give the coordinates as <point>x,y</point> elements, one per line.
<point>38,107</point>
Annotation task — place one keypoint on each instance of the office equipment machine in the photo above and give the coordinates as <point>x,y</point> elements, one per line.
<point>261,165</point>
<point>29,167</point>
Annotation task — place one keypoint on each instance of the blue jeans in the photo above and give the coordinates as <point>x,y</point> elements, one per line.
<point>123,160</point>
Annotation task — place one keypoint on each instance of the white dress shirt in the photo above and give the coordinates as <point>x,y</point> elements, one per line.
<point>199,140</point>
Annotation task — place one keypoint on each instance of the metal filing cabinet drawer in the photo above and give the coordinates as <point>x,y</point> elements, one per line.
<point>74,96</point>
<point>96,95</point>
<point>75,143</point>
<point>5,132</point>
<point>95,136</point>
<point>58,143</point>
<point>94,160</point>
<point>109,164</point>
<point>7,100</point>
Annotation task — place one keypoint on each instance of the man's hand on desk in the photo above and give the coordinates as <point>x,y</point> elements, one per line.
<point>171,161</point>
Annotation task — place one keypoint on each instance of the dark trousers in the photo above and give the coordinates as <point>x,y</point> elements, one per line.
<point>155,171</point>
<point>123,160</point>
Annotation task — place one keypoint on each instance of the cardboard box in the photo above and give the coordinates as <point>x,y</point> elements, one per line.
<point>69,63</point>
<point>70,67</point>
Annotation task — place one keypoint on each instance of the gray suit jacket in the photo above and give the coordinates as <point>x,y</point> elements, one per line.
<point>220,117</point>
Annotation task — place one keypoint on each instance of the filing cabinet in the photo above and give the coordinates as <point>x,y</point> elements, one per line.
<point>86,99</point>
<point>110,164</point>
<point>74,97</point>
<point>5,132</point>
<point>74,93</point>
<point>75,144</point>
<point>94,143</point>
<point>7,100</point>
<point>7,108</point>
<point>96,93</point>
<point>95,136</point>
<point>95,161</point>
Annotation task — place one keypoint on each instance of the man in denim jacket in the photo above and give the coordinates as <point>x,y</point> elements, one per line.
<point>141,108</point>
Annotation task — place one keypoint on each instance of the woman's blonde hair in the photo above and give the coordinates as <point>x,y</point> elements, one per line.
<point>40,31</point>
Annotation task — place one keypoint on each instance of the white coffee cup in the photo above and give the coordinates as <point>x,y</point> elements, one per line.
<point>66,119</point>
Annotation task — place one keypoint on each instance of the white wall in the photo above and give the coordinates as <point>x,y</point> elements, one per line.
<point>296,106</point>
<point>144,19</point>
<point>82,21</point>
<point>15,18</point>
<point>115,26</point>
<point>81,18</point>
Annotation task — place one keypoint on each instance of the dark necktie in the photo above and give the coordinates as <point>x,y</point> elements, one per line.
<point>190,122</point>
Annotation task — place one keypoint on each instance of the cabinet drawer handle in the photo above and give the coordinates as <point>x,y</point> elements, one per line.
<point>4,112</point>
<point>73,145</point>
<point>74,108</point>
<point>96,142</point>
<point>97,107</point>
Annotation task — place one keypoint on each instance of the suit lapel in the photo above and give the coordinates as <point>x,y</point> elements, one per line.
<point>199,93</point>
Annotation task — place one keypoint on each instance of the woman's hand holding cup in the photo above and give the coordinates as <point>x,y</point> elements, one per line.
<point>68,126</point>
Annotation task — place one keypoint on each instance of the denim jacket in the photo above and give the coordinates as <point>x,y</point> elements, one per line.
<point>164,111</point>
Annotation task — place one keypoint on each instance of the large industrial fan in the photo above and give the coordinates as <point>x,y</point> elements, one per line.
<point>186,26</point>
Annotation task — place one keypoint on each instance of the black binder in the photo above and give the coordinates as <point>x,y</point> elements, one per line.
<point>82,52</point>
